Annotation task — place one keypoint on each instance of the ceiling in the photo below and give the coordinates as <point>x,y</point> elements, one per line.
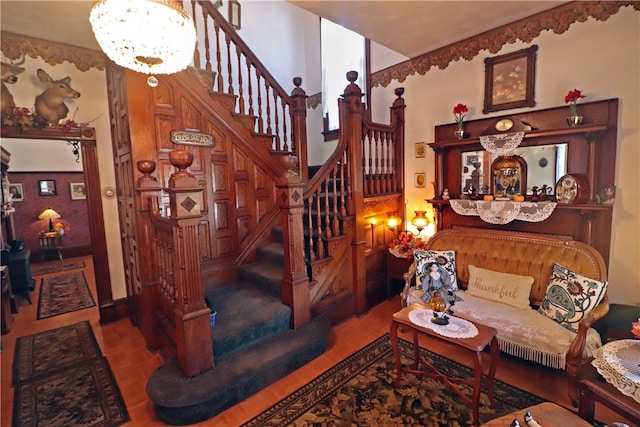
<point>408,27</point>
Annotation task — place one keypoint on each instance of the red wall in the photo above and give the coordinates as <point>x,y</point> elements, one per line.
<point>74,213</point>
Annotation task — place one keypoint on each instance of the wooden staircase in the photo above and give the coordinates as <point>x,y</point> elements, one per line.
<point>233,226</point>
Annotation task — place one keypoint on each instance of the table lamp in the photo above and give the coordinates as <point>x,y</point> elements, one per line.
<point>49,214</point>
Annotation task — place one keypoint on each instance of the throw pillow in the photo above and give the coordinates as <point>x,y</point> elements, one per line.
<point>505,288</point>
<point>445,259</point>
<point>570,296</point>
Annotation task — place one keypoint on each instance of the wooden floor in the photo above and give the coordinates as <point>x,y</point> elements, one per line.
<point>132,363</point>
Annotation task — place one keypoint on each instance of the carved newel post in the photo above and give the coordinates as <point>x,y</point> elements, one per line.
<point>193,330</point>
<point>295,282</point>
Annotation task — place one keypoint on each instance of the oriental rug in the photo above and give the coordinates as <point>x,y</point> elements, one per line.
<point>61,379</point>
<point>37,270</point>
<point>359,391</point>
<point>64,293</point>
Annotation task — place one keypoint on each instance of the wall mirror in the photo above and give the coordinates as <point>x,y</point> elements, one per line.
<point>545,165</point>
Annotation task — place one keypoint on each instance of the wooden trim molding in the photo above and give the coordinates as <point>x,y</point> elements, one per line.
<point>558,20</point>
<point>15,46</point>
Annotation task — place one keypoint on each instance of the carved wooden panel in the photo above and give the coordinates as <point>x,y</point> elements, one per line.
<point>219,181</point>
<point>225,246</point>
<point>221,215</point>
<point>163,96</point>
<point>191,117</point>
<point>164,125</point>
<point>243,195</point>
<point>243,227</point>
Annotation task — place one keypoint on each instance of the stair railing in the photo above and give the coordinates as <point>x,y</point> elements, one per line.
<point>368,161</point>
<point>239,72</point>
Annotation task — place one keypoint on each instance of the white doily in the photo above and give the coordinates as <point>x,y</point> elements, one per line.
<point>503,143</point>
<point>619,363</point>
<point>457,327</point>
<point>503,212</point>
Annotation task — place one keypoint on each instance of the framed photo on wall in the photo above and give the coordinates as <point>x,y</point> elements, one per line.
<point>78,191</point>
<point>17,192</point>
<point>509,80</point>
<point>47,187</point>
<point>420,149</point>
<point>420,180</point>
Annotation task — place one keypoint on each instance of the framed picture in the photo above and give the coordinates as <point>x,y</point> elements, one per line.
<point>78,191</point>
<point>234,14</point>
<point>607,195</point>
<point>17,192</point>
<point>47,187</point>
<point>509,80</point>
<point>420,180</point>
<point>420,149</point>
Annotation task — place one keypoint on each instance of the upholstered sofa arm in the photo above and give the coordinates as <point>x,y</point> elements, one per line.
<point>408,277</point>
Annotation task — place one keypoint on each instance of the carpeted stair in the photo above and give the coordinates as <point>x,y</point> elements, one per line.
<point>253,346</point>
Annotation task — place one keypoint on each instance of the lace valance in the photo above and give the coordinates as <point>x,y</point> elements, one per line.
<point>503,212</point>
<point>503,143</point>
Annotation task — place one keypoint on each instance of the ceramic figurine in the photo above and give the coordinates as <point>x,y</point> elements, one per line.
<point>445,194</point>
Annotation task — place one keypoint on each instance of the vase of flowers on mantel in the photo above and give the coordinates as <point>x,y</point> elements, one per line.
<point>572,99</point>
<point>459,112</point>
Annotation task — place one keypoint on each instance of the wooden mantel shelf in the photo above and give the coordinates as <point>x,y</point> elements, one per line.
<point>585,130</point>
<point>570,206</point>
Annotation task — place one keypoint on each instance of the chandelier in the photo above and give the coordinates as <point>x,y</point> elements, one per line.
<point>148,36</point>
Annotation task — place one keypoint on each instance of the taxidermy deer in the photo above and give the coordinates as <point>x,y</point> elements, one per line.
<point>9,75</point>
<point>50,103</point>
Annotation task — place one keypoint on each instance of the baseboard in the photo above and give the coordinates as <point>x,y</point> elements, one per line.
<point>113,310</point>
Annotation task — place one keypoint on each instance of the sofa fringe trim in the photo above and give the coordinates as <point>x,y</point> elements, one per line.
<point>556,361</point>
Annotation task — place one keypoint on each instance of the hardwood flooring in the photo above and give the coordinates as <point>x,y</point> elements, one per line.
<point>132,362</point>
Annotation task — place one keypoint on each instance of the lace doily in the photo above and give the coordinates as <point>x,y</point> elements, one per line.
<point>503,212</point>
<point>457,327</point>
<point>619,363</point>
<point>503,143</point>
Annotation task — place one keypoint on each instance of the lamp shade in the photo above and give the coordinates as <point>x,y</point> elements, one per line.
<point>148,36</point>
<point>49,214</point>
<point>420,221</point>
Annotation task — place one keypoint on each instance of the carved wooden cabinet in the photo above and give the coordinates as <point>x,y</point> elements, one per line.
<point>590,151</point>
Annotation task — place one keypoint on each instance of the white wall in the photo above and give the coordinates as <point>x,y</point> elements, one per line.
<point>600,58</point>
<point>92,106</point>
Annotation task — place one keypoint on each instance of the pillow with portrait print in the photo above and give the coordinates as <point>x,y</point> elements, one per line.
<point>445,259</point>
<point>570,296</point>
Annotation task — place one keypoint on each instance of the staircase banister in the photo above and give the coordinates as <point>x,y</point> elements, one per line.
<point>327,167</point>
<point>368,124</point>
<point>231,33</point>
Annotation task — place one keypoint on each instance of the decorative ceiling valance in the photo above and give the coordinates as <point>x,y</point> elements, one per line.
<point>15,46</point>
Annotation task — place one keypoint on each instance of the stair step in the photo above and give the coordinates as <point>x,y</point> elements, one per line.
<point>179,400</point>
<point>263,274</point>
<point>272,252</point>
<point>246,315</point>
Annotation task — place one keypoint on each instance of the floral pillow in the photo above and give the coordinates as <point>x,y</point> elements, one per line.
<point>445,259</point>
<point>570,296</point>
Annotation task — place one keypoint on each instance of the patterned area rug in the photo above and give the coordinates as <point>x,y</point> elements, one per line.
<point>61,379</point>
<point>37,270</point>
<point>63,293</point>
<point>359,391</point>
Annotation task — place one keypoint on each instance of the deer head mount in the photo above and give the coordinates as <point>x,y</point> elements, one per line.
<point>50,103</point>
<point>9,75</point>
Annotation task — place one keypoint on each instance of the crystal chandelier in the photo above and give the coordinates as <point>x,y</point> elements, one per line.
<point>148,36</point>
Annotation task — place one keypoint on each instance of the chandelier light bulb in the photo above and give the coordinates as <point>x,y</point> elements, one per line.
<point>148,36</point>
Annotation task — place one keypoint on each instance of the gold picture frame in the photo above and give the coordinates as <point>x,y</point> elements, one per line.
<point>420,149</point>
<point>420,180</point>
<point>509,80</point>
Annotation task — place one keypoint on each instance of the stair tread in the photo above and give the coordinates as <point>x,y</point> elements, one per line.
<point>179,400</point>
<point>245,314</point>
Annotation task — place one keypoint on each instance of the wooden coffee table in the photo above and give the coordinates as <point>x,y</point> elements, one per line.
<point>486,336</point>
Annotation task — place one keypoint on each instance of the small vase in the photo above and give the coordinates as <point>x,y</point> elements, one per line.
<point>459,134</point>
<point>61,232</point>
<point>574,121</point>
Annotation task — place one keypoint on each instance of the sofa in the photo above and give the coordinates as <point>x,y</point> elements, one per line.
<point>517,283</point>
